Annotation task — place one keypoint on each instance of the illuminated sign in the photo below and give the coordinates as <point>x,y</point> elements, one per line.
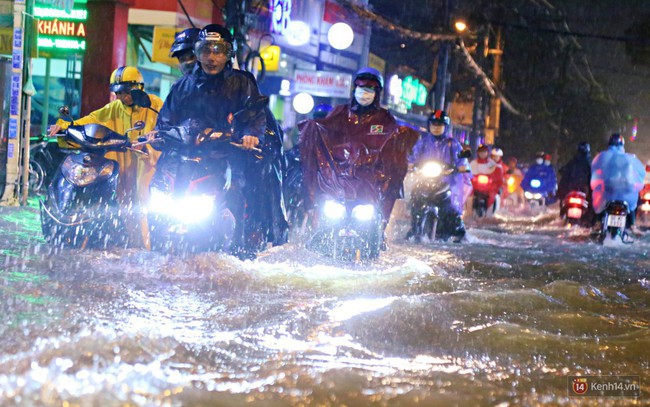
<point>280,15</point>
<point>271,57</point>
<point>58,30</point>
<point>413,92</point>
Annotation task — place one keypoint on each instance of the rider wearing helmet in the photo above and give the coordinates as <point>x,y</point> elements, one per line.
<point>120,115</point>
<point>439,145</point>
<point>361,120</point>
<point>575,175</point>
<point>616,175</point>
<point>209,96</point>
<point>183,49</point>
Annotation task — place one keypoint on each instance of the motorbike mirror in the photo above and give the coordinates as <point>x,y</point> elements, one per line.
<point>139,125</point>
<point>465,154</point>
<point>64,111</point>
<point>140,98</point>
<point>256,102</point>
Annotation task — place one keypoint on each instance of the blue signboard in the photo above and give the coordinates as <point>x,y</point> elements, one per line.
<point>10,150</point>
<point>15,94</point>
<point>13,128</point>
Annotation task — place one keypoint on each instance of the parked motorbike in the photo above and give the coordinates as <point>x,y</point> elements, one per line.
<point>614,223</point>
<point>80,208</point>
<point>573,207</point>
<point>429,194</point>
<point>44,158</point>
<point>193,206</point>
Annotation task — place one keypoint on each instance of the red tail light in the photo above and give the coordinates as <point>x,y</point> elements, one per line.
<point>577,201</point>
<point>483,179</point>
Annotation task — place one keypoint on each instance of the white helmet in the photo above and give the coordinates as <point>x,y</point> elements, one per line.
<point>497,152</point>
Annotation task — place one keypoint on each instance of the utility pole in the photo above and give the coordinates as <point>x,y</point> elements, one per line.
<point>494,118</point>
<point>478,111</point>
<point>442,75</point>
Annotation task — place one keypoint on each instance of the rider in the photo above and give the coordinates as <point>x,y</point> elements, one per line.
<point>616,175</point>
<point>540,177</point>
<point>484,165</point>
<point>438,145</point>
<point>209,96</point>
<point>513,192</point>
<point>361,120</point>
<point>183,49</point>
<point>120,115</point>
<point>497,156</point>
<point>575,175</point>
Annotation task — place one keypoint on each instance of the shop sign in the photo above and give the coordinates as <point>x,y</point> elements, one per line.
<point>163,38</point>
<point>60,30</point>
<point>280,15</point>
<point>413,92</point>
<point>271,57</point>
<point>59,4</point>
<point>322,83</point>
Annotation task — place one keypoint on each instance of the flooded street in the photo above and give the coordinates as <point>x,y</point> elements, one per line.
<point>503,319</point>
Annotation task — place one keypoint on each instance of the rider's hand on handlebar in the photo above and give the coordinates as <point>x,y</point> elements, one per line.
<point>55,128</point>
<point>249,142</point>
<point>151,136</point>
<point>463,168</point>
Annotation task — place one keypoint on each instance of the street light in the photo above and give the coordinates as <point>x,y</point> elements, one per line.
<point>340,36</point>
<point>460,26</point>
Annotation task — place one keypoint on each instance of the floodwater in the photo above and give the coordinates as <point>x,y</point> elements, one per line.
<point>502,319</point>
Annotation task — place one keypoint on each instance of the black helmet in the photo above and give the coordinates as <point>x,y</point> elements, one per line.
<point>439,117</point>
<point>366,75</point>
<point>184,41</point>
<point>616,140</point>
<point>482,147</point>
<point>216,37</point>
<point>539,154</point>
<point>584,148</point>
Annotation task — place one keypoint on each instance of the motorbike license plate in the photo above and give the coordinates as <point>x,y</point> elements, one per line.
<point>616,221</point>
<point>574,213</point>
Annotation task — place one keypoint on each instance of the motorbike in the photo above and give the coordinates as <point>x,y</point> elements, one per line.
<point>80,208</point>
<point>349,219</point>
<point>536,194</point>
<point>614,222</point>
<point>192,205</point>
<point>44,158</point>
<point>429,194</point>
<point>293,190</point>
<point>643,211</point>
<point>573,207</point>
<point>482,185</point>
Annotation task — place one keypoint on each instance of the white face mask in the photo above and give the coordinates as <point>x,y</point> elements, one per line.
<point>364,96</point>
<point>546,162</point>
<point>539,161</point>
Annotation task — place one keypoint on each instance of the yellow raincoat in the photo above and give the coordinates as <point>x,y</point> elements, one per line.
<point>136,170</point>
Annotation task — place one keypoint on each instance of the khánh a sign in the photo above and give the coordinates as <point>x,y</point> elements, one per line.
<point>61,31</point>
<point>322,83</point>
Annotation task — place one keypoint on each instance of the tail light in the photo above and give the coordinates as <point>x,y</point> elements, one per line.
<point>576,201</point>
<point>483,179</point>
<point>646,196</point>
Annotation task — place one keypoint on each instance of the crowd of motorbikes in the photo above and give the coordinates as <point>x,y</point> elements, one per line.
<point>189,211</point>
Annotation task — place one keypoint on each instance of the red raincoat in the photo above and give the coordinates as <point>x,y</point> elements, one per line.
<point>352,155</point>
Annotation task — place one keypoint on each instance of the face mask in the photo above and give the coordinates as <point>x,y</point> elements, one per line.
<point>539,161</point>
<point>546,162</point>
<point>187,67</point>
<point>364,96</point>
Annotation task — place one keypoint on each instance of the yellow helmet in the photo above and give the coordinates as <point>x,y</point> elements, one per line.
<point>126,78</point>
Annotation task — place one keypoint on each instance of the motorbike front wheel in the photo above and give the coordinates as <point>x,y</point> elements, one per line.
<point>36,176</point>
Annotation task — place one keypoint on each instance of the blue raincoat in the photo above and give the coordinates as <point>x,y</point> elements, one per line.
<point>616,175</point>
<point>445,149</point>
<point>543,173</point>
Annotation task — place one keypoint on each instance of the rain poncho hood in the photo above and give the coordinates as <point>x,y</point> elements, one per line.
<point>446,150</point>
<point>616,175</point>
<point>354,155</point>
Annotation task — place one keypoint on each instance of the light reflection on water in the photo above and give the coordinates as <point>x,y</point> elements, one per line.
<point>502,319</point>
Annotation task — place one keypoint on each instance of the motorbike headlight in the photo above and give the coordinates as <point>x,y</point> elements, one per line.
<point>528,195</point>
<point>537,196</point>
<point>78,174</point>
<point>195,208</point>
<point>535,183</point>
<point>333,210</point>
<point>363,213</point>
<point>431,169</point>
<point>189,209</point>
<point>511,181</point>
